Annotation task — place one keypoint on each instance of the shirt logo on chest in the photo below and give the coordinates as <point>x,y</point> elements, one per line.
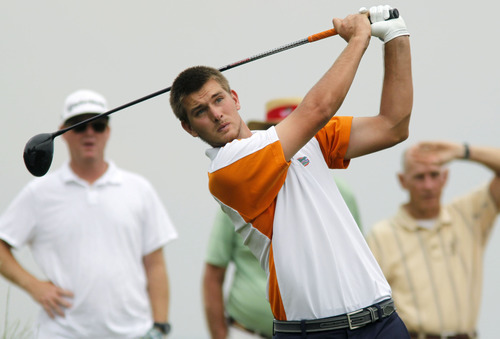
<point>304,161</point>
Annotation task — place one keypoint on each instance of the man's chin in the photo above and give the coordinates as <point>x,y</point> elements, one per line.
<point>89,155</point>
<point>219,142</point>
<point>429,205</point>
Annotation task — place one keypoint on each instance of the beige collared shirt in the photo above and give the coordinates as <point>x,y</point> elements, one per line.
<point>436,274</point>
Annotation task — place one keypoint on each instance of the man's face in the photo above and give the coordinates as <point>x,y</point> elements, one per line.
<point>87,145</point>
<point>424,180</point>
<point>213,115</point>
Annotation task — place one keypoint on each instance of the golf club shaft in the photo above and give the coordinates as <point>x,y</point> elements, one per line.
<point>394,13</point>
<point>311,38</point>
<point>39,150</point>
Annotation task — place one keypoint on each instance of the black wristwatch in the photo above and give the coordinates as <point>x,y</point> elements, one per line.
<point>162,327</point>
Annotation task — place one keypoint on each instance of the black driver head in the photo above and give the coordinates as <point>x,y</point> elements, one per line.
<point>38,154</point>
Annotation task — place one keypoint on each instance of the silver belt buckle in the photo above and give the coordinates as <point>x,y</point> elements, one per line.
<point>349,321</point>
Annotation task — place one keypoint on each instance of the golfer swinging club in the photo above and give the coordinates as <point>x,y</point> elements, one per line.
<point>277,188</point>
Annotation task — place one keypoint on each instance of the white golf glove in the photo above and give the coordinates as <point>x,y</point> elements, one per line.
<point>384,29</point>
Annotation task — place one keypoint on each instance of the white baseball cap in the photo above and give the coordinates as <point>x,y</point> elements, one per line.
<point>83,101</point>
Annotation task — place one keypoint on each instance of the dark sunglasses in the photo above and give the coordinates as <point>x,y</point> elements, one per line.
<point>98,126</point>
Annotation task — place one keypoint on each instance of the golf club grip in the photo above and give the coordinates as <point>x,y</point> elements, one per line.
<point>321,35</point>
<point>393,14</point>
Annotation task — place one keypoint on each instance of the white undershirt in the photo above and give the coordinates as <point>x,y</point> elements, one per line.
<point>426,223</point>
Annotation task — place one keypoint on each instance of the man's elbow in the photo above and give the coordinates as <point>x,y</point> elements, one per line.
<point>403,135</point>
<point>398,134</point>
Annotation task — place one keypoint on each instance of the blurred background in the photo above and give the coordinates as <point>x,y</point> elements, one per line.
<point>128,49</point>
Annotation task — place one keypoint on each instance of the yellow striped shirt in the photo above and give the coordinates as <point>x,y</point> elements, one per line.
<point>436,274</point>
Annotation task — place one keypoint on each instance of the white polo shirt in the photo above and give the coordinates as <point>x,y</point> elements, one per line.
<point>293,218</point>
<point>91,239</point>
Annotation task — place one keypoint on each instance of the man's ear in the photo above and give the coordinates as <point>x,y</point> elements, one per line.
<point>234,95</point>
<point>402,181</point>
<point>445,176</point>
<point>187,128</point>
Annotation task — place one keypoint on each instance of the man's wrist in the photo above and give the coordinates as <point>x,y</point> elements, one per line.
<point>162,327</point>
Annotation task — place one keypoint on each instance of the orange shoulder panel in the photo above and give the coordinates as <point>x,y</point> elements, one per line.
<point>251,184</point>
<point>334,139</point>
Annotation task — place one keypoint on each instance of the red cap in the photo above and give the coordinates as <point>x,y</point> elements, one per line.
<point>276,110</point>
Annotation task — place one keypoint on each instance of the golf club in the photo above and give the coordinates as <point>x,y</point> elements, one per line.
<point>39,150</point>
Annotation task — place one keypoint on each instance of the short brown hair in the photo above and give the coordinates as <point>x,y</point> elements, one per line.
<point>192,80</point>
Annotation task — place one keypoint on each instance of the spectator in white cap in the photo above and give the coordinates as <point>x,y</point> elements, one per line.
<point>97,233</point>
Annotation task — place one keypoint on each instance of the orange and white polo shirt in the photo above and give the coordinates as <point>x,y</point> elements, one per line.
<point>294,220</point>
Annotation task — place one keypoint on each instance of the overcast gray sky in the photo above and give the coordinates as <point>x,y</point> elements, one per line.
<point>128,49</point>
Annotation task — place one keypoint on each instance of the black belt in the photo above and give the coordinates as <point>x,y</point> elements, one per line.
<point>350,320</point>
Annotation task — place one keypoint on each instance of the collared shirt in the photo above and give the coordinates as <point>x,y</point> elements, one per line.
<point>436,274</point>
<point>91,239</point>
<point>246,299</point>
<point>293,218</point>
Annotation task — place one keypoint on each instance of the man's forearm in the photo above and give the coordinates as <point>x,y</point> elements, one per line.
<point>331,90</point>
<point>214,311</point>
<point>397,92</point>
<point>487,156</point>
<point>213,299</point>
<point>159,297</point>
<point>12,270</point>
<point>158,287</point>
